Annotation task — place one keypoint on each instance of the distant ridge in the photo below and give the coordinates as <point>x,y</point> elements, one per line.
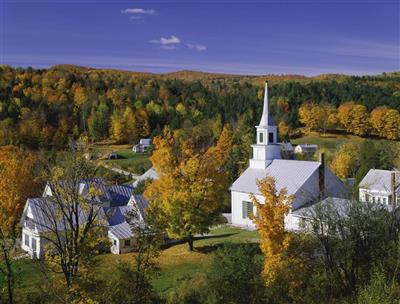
<point>190,75</point>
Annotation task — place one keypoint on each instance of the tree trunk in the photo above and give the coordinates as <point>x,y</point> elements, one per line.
<point>190,240</point>
<point>9,278</point>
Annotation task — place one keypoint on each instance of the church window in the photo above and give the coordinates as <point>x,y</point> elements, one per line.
<point>247,209</point>
<point>270,137</point>
<point>261,137</point>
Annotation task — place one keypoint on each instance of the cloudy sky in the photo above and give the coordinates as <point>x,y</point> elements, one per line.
<point>307,37</point>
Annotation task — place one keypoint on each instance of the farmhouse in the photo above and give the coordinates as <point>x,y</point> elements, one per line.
<point>143,145</point>
<point>380,186</point>
<point>305,149</point>
<point>308,181</point>
<point>111,205</point>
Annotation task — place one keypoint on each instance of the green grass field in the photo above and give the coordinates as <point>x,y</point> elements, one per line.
<point>137,163</point>
<point>329,143</point>
<point>177,264</point>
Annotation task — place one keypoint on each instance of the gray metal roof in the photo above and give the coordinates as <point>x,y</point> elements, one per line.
<point>380,180</point>
<point>121,231</point>
<point>300,178</point>
<point>47,215</point>
<point>149,174</point>
<point>289,174</point>
<point>340,206</point>
<point>145,141</point>
<point>141,204</point>
<point>119,194</point>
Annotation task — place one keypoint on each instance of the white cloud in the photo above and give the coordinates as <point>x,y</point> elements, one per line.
<point>166,41</point>
<point>139,11</point>
<point>196,46</point>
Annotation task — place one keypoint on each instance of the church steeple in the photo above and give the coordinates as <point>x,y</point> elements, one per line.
<point>267,147</point>
<point>265,118</point>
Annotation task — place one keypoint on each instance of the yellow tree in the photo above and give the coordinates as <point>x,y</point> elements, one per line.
<point>377,120</point>
<point>17,183</point>
<point>346,160</point>
<point>188,195</point>
<point>142,122</point>
<point>359,120</point>
<point>345,114</point>
<point>129,120</point>
<point>274,240</point>
<point>312,116</point>
<point>117,127</point>
<point>354,118</point>
<point>391,128</point>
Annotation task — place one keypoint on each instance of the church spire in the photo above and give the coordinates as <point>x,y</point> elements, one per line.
<point>267,147</point>
<point>265,118</point>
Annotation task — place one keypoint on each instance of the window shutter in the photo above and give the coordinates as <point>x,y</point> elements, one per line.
<point>244,209</point>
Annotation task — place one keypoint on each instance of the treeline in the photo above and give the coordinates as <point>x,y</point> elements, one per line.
<point>45,108</point>
<point>354,118</point>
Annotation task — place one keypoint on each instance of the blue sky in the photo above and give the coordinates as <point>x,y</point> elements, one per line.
<point>246,37</point>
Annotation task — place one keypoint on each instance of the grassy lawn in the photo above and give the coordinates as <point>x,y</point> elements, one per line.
<point>179,265</point>
<point>137,163</point>
<point>330,143</point>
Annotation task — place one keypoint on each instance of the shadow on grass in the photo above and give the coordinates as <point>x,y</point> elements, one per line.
<point>172,243</point>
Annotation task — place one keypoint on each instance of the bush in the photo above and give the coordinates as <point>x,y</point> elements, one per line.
<point>235,275</point>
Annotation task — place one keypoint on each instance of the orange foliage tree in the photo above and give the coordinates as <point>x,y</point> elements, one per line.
<point>17,183</point>
<point>287,257</point>
<point>271,226</point>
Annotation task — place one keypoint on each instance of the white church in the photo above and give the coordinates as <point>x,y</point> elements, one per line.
<point>308,181</point>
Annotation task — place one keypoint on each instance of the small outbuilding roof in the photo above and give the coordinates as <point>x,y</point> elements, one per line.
<point>145,141</point>
<point>149,174</point>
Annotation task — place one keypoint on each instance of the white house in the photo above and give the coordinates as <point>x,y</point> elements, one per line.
<point>143,145</point>
<point>306,180</point>
<point>301,219</point>
<point>112,206</point>
<point>380,186</point>
<point>305,149</point>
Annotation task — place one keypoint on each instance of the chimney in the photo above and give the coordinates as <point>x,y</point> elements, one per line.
<point>393,187</point>
<point>321,175</point>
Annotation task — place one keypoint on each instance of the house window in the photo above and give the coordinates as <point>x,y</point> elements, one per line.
<point>247,209</point>
<point>115,242</point>
<point>26,240</point>
<point>127,243</point>
<point>34,245</point>
<point>270,137</point>
<point>384,200</point>
<point>261,137</point>
<point>367,198</point>
<point>373,199</point>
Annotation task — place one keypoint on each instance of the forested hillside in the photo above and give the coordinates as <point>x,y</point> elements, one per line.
<point>45,108</point>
